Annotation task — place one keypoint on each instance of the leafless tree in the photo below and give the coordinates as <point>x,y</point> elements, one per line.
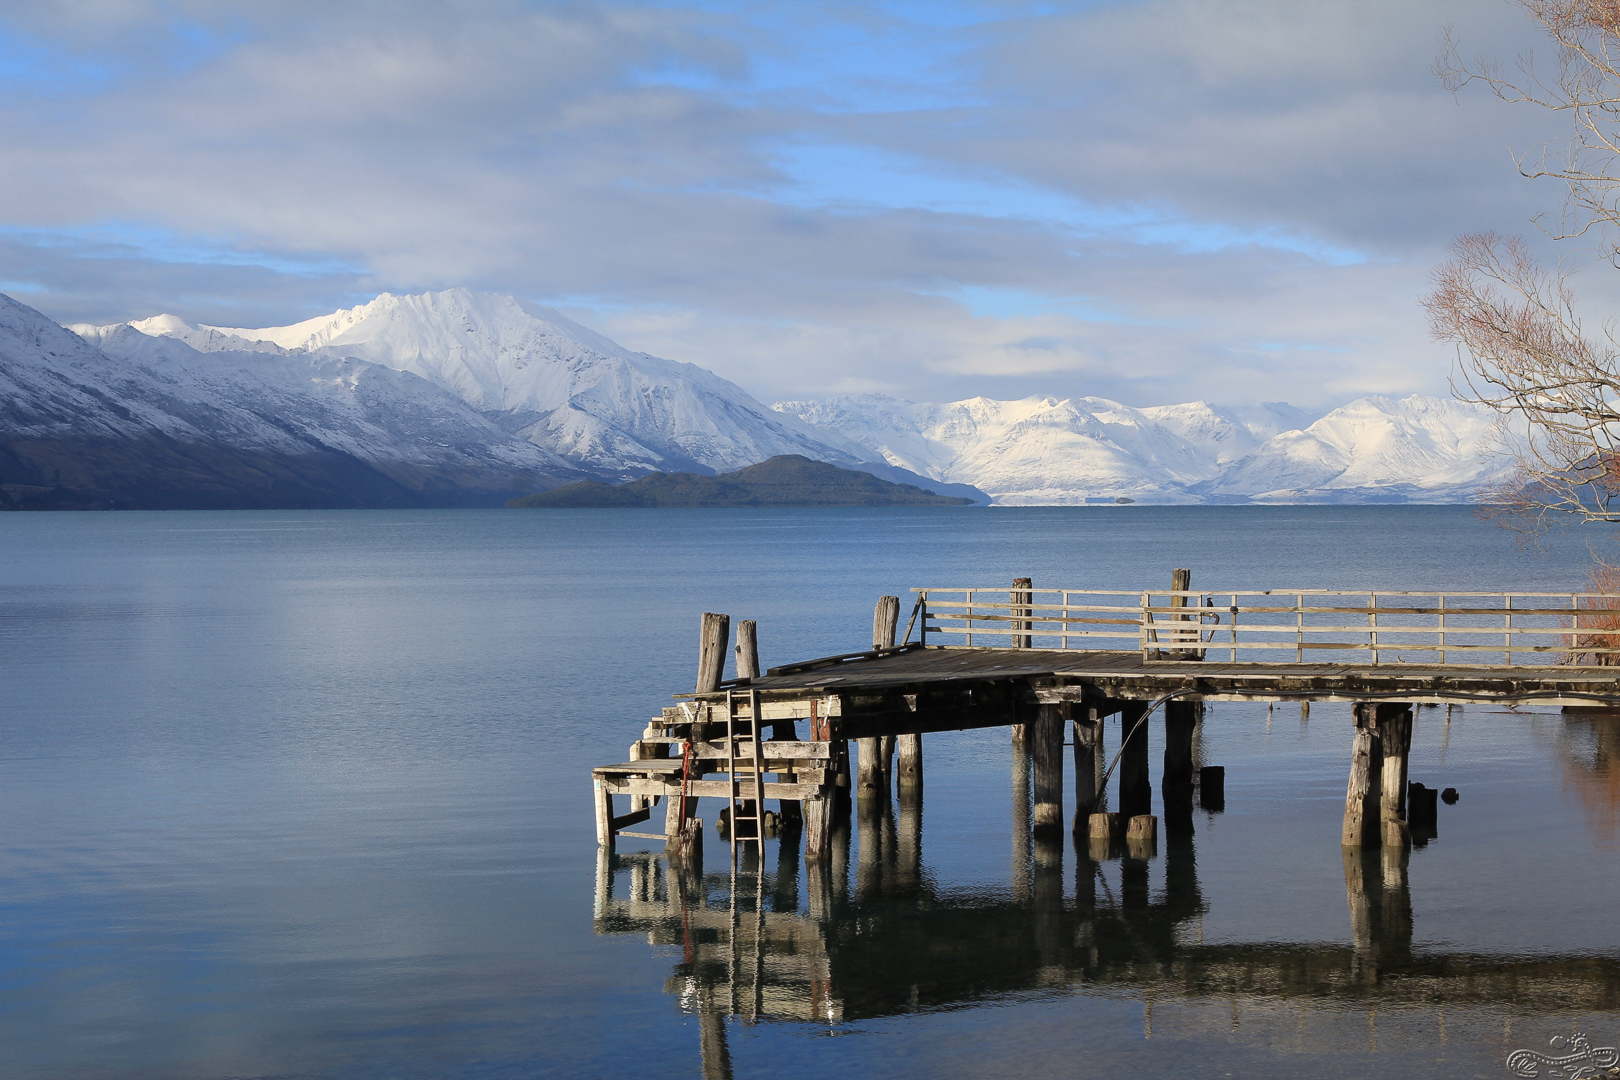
<point>1522,349</point>
<point>1584,86</point>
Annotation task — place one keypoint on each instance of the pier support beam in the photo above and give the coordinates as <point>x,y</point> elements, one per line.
<point>1088,763</point>
<point>1361,796</point>
<point>1135,788</point>
<point>1180,720</point>
<point>1048,754</point>
<point>870,783</point>
<point>1395,739</point>
<point>818,827</point>
<point>909,778</point>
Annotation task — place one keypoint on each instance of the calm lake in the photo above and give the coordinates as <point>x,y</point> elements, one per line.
<point>307,795</point>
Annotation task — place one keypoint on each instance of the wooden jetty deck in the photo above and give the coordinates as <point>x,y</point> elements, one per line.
<point>1054,662</point>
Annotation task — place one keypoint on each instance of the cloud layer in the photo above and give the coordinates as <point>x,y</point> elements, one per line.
<point>1150,201</point>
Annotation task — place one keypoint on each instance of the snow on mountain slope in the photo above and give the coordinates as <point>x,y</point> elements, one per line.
<point>1425,448</point>
<point>558,384</point>
<point>288,402</point>
<point>1051,451</point>
<point>1042,450</point>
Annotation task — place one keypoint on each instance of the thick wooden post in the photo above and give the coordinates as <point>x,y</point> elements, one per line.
<point>1395,740</point>
<point>604,813</point>
<point>1048,819</point>
<point>1180,719</point>
<point>1022,596</point>
<point>747,651</point>
<point>910,776</point>
<point>885,618</point>
<point>886,759</point>
<point>712,640</point>
<point>869,779</point>
<point>817,826</point>
<point>1135,788</point>
<point>1088,755</point>
<point>1361,796</point>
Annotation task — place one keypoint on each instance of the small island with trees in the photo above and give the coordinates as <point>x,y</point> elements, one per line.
<point>787,480</point>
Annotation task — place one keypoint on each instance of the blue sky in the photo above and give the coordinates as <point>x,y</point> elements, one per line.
<point>1152,201</point>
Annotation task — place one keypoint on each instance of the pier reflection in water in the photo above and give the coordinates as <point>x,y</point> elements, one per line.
<point>835,944</point>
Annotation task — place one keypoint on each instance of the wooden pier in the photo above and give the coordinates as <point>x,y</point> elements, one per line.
<point>1051,663</point>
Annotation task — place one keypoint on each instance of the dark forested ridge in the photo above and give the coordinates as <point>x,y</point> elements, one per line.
<point>787,480</point>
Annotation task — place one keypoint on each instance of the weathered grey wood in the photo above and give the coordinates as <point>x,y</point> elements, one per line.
<point>1142,827</point>
<point>1022,596</point>
<point>909,776</point>
<point>1360,797</point>
<point>604,813</point>
<point>817,825</point>
<point>885,621</point>
<point>886,758</point>
<point>1022,833</point>
<point>869,785</point>
<point>1087,738</point>
<point>1395,741</point>
<point>713,635</point>
<point>1181,581</point>
<point>1104,825</point>
<point>1135,787</point>
<point>1048,755</point>
<point>747,650</point>
<point>1180,719</point>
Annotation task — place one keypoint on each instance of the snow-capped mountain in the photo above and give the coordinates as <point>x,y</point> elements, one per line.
<point>552,381</point>
<point>116,418</point>
<point>1425,449</point>
<point>1046,451</point>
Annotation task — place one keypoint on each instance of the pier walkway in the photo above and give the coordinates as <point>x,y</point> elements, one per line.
<point>1051,663</point>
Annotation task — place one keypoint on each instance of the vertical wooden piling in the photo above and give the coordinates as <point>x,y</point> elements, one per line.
<point>747,650</point>
<point>909,778</point>
<point>1180,719</point>
<point>1021,597</point>
<point>886,759</point>
<point>1395,740</point>
<point>817,826</point>
<point>1135,787</point>
<point>1361,795</point>
<point>869,780</point>
<point>604,813</point>
<point>1048,754</point>
<point>1088,726</point>
<point>712,640</point>
<point>885,619</point>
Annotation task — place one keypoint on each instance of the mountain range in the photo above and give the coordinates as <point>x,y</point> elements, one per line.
<point>461,398</point>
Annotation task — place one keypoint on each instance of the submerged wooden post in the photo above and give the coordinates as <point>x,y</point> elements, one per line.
<point>817,827</point>
<point>885,618</point>
<point>1048,819</point>
<point>1180,718</point>
<point>712,640</point>
<point>869,780</point>
<point>910,775</point>
<point>1361,796</point>
<point>747,651</point>
<point>1088,753</point>
<point>1135,788</point>
<point>1395,741</point>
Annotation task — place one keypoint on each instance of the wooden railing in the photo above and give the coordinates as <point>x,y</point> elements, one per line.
<point>1319,625</point>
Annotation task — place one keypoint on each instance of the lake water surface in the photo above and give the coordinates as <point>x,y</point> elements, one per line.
<point>307,795</point>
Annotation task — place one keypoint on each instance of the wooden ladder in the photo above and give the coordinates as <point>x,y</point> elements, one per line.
<point>754,766</point>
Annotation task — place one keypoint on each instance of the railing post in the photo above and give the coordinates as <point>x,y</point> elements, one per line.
<point>1023,594</point>
<point>1507,626</point>
<point>1299,632</point>
<point>1372,623</point>
<point>1232,610</point>
<point>1442,628</point>
<point>1144,619</point>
